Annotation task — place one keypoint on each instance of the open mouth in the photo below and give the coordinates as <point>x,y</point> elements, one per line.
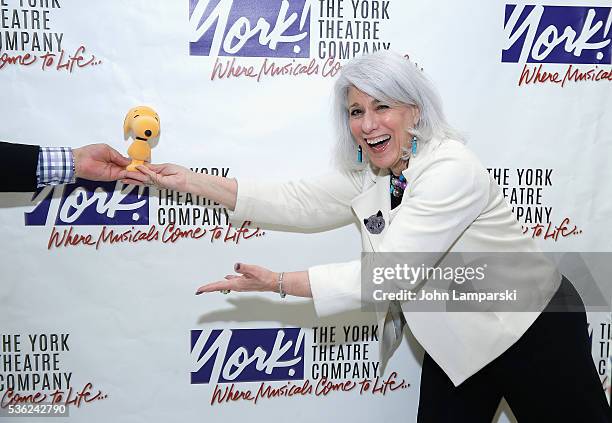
<point>378,144</point>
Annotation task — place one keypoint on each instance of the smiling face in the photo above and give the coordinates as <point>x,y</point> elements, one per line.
<point>380,128</point>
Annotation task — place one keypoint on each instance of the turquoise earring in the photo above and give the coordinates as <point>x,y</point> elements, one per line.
<point>359,154</point>
<point>414,146</point>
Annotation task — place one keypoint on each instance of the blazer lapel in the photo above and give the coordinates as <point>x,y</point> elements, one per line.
<point>376,197</point>
<point>373,206</point>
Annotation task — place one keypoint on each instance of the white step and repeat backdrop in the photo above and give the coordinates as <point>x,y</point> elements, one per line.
<point>97,304</point>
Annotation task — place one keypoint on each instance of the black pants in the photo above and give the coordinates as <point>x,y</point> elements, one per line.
<point>547,376</point>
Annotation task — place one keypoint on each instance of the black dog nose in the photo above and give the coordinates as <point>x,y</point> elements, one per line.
<point>148,133</point>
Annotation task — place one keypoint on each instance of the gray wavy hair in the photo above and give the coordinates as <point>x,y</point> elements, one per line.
<point>393,79</point>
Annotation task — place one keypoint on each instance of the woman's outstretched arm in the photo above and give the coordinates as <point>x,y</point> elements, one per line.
<point>178,178</point>
<point>308,205</point>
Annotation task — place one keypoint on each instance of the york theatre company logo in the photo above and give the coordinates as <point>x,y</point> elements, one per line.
<point>250,28</point>
<point>260,364</point>
<point>32,35</point>
<point>92,214</point>
<point>90,203</point>
<point>288,37</point>
<point>87,204</point>
<point>247,355</point>
<point>543,37</point>
<point>225,357</point>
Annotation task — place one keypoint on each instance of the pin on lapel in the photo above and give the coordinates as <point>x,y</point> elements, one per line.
<point>375,223</point>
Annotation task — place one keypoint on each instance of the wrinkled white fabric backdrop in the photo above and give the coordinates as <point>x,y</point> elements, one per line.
<point>129,307</point>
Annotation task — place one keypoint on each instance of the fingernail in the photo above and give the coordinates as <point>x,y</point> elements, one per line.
<point>198,292</point>
<point>237,267</point>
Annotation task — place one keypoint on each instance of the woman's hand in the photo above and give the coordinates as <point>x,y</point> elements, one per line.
<point>178,178</point>
<point>251,278</point>
<point>169,176</point>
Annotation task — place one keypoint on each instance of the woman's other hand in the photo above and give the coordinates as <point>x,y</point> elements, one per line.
<point>250,278</point>
<point>169,176</point>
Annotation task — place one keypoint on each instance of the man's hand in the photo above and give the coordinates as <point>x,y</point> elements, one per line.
<point>99,162</point>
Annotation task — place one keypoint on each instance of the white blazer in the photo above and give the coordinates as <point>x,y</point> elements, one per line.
<point>450,204</point>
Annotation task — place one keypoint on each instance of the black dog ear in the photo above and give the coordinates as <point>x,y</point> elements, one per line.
<point>365,221</point>
<point>379,214</point>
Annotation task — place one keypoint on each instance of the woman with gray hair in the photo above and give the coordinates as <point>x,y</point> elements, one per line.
<point>411,186</point>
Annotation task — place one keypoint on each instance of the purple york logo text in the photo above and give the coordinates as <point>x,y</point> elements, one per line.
<point>249,28</point>
<point>247,355</point>
<point>557,34</point>
<point>90,203</point>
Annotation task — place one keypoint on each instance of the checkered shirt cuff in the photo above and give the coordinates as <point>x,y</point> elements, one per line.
<point>55,166</point>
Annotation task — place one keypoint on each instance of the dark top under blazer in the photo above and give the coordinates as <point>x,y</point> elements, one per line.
<point>18,164</point>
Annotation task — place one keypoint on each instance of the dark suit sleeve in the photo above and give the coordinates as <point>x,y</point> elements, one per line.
<point>18,164</point>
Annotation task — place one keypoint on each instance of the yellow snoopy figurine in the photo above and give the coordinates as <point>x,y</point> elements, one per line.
<point>142,124</point>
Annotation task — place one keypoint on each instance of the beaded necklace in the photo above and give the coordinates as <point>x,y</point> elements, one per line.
<point>398,185</point>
